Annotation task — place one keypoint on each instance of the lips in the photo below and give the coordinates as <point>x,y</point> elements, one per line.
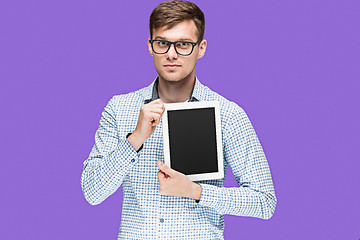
<point>172,66</point>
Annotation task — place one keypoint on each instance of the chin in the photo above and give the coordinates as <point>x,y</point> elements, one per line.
<point>171,77</point>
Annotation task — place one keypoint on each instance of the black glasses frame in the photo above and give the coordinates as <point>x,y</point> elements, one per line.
<point>172,43</point>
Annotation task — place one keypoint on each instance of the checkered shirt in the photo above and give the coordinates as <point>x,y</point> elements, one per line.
<point>148,215</point>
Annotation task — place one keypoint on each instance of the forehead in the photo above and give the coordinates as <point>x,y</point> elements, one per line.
<point>185,30</point>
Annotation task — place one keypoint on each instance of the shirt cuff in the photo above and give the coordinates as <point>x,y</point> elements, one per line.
<point>141,147</point>
<point>124,158</point>
<point>209,195</point>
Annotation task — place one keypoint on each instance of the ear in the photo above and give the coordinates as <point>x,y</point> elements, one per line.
<point>202,48</point>
<point>150,48</point>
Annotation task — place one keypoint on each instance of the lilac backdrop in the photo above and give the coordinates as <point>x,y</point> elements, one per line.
<point>294,67</point>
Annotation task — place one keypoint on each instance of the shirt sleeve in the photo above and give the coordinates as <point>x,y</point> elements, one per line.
<point>110,159</point>
<point>255,196</point>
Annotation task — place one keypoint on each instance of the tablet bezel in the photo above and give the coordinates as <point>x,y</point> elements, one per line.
<point>195,105</point>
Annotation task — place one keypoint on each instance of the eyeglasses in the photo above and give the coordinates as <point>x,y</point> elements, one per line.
<point>184,48</point>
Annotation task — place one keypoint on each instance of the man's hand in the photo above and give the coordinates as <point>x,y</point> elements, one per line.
<point>174,183</point>
<point>149,118</point>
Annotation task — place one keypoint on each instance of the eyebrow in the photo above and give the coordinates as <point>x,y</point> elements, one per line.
<point>181,39</point>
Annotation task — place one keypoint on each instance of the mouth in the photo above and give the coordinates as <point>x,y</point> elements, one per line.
<point>172,66</point>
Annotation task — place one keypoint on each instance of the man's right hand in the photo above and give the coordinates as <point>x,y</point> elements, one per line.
<point>149,118</point>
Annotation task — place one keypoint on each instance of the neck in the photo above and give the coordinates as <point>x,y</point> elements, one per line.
<point>175,91</point>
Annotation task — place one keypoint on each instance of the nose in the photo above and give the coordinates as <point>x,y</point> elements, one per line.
<point>172,54</point>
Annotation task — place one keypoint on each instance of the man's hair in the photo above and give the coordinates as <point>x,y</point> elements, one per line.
<point>170,13</point>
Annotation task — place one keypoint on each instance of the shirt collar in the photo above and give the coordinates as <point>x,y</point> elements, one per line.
<point>197,94</point>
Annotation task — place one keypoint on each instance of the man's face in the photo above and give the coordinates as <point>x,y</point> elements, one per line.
<point>172,66</point>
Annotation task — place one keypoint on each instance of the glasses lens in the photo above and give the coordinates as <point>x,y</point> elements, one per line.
<point>183,48</point>
<point>160,46</point>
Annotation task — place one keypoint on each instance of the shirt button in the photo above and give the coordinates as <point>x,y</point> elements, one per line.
<point>132,160</point>
<point>161,220</point>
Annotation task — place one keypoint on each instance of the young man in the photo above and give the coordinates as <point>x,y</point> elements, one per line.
<point>128,146</point>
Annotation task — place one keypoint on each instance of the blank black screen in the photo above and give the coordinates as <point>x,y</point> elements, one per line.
<point>192,137</point>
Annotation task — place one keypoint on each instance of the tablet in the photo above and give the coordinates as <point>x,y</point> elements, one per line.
<point>192,139</point>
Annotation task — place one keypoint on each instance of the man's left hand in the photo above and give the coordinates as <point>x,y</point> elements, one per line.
<point>174,183</point>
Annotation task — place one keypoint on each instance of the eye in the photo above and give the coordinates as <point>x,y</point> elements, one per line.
<point>162,43</point>
<point>183,44</point>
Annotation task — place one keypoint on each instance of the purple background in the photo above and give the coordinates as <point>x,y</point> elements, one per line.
<point>294,66</point>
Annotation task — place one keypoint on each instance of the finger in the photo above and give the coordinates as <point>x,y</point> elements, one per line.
<point>153,116</point>
<point>158,104</point>
<point>155,119</point>
<point>157,101</point>
<point>154,108</point>
<point>161,175</point>
<point>158,110</point>
<point>164,168</point>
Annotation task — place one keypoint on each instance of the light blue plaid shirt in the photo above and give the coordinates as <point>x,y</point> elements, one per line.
<point>148,215</point>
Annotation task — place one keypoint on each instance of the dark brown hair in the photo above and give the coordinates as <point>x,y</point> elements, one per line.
<point>170,13</point>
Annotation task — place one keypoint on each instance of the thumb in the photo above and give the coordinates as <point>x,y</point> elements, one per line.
<point>164,168</point>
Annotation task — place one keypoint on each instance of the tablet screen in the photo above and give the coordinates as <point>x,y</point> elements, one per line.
<point>192,140</point>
